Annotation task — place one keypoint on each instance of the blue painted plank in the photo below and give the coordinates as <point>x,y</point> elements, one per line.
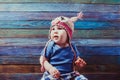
<point>37,15</point>
<point>20,50</point>
<point>58,7</point>
<point>99,50</point>
<point>102,60</point>
<point>46,24</point>
<point>35,50</point>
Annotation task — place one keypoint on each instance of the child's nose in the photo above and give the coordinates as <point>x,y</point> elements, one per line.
<point>55,32</point>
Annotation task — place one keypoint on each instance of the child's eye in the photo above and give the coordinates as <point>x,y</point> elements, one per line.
<point>52,28</point>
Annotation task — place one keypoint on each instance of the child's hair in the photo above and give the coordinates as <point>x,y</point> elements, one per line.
<point>66,23</point>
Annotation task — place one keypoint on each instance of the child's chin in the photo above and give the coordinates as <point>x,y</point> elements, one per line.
<point>57,41</point>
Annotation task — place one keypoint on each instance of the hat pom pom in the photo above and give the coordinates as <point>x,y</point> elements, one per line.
<point>79,16</point>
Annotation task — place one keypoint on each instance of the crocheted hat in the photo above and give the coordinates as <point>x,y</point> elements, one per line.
<point>66,23</point>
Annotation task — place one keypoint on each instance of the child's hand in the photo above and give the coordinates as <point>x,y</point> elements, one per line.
<point>42,69</point>
<point>80,62</point>
<point>54,72</point>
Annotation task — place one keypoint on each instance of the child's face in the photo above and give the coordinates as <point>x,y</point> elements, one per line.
<point>59,35</point>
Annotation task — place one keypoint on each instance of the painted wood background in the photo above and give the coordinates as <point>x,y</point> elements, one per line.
<point>24,26</point>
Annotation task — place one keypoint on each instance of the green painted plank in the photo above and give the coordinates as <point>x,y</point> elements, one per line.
<point>58,7</point>
<point>65,1</point>
<point>4,33</point>
<point>97,34</point>
<point>32,33</point>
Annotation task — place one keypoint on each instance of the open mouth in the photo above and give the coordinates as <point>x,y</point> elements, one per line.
<point>55,37</point>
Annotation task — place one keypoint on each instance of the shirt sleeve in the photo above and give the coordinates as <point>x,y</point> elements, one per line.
<point>46,52</point>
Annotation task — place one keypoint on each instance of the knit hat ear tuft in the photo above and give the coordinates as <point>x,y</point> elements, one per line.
<point>79,16</point>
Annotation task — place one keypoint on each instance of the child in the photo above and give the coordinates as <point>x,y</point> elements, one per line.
<point>60,55</point>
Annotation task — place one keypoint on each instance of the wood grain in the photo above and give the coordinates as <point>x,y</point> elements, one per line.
<point>58,7</point>
<point>24,28</point>
<point>37,76</point>
<point>43,33</point>
<point>90,59</point>
<point>39,15</point>
<point>42,41</point>
<point>11,24</point>
<point>22,68</point>
<point>64,1</point>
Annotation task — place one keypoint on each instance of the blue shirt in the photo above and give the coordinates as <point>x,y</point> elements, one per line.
<point>61,58</point>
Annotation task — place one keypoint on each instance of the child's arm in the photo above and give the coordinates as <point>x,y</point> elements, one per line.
<point>48,67</point>
<point>42,59</point>
<point>80,62</point>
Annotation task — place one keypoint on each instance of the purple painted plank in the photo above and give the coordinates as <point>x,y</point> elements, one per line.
<point>41,42</point>
<point>21,59</point>
<point>90,60</point>
<point>37,76</point>
<point>20,76</point>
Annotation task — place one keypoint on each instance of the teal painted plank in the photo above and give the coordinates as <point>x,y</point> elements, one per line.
<point>59,7</point>
<point>46,24</point>
<point>41,42</point>
<point>106,1</point>
<point>37,15</point>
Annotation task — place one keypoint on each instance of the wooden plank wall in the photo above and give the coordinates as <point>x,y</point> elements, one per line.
<point>24,26</point>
